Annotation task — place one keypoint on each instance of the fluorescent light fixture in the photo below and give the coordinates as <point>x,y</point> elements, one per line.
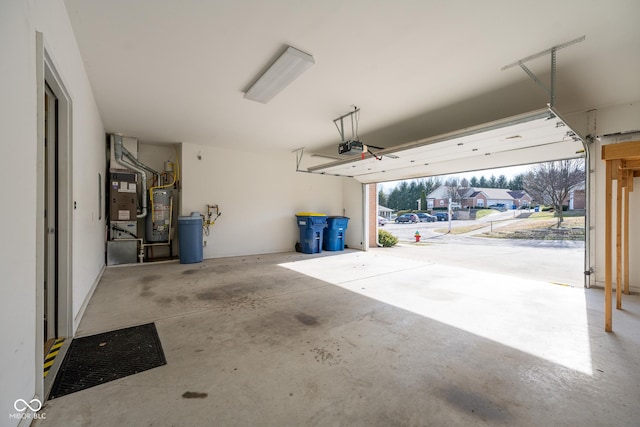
<point>288,67</point>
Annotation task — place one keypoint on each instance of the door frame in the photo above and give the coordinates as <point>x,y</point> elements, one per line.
<point>47,74</point>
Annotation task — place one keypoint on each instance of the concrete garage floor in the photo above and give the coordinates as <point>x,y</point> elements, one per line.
<point>359,339</point>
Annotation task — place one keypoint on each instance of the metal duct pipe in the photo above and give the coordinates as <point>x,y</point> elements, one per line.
<point>119,152</point>
<point>130,157</point>
<point>122,150</point>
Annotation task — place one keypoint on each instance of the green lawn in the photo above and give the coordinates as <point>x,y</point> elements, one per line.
<point>460,230</point>
<point>539,226</point>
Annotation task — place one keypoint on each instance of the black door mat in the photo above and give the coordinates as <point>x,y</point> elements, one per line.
<point>105,357</point>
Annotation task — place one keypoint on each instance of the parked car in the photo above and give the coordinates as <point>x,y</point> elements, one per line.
<point>425,217</point>
<point>499,206</point>
<point>381,221</point>
<point>407,218</point>
<point>442,216</point>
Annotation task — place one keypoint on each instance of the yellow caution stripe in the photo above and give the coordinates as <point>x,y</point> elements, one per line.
<point>51,356</point>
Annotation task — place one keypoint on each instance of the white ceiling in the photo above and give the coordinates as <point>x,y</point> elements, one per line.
<point>175,71</point>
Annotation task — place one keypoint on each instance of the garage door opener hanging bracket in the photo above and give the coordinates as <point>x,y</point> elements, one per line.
<point>551,91</point>
<point>353,145</point>
<point>300,154</point>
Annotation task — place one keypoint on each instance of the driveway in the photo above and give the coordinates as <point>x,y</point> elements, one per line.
<point>553,261</point>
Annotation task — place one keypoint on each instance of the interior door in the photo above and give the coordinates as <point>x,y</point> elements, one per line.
<point>51,220</point>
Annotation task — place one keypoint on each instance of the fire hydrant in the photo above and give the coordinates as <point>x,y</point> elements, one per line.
<point>417,236</point>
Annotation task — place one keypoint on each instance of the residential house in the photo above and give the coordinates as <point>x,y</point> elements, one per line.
<point>473,197</point>
<point>577,198</point>
<point>438,198</point>
<point>521,198</point>
<point>384,212</point>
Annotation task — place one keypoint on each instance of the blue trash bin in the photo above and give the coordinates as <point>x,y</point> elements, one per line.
<point>190,238</point>
<point>334,234</point>
<point>311,226</point>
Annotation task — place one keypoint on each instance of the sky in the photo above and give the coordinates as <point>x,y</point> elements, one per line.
<point>509,172</point>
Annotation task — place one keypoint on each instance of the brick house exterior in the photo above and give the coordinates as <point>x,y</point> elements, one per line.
<point>577,198</point>
<point>479,197</point>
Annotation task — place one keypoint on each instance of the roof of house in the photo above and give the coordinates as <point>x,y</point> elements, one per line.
<point>498,193</point>
<point>517,194</point>
<point>471,192</point>
<point>439,193</point>
<point>578,187</point>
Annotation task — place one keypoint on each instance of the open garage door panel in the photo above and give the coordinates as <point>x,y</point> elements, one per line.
<point>533,137</point>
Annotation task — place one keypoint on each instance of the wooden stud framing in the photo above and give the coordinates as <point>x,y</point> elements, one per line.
<point>622,165</point>
<point>619,186</point>
<point>625,150</point>
<point>627,189</point>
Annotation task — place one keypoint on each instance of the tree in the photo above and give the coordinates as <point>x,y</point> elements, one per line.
<point>493,182</point>
<point>414,194</point>
<point>474,182</point>
<point>431,184</point>
<point>398,199</point>
<point>483,182</point>
<point>502,182</point>
<point>464,183</point>
<point>382,198</point>
<point>423,200</point>
<point>517,182</point>
<point>452,185</point>
<point>406,194</point>
<point>551,182</point>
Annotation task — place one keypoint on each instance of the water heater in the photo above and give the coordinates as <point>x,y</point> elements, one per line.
<point>159,221</point>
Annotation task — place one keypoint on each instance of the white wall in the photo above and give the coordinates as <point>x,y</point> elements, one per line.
<point>17,259</point>
<point>258,194</point>
<point>598,213</point>
<point>597,124</point>
<point>619,119</point>
<point>353,199</point>
<point>155,155</point>
<point>20,353</point>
